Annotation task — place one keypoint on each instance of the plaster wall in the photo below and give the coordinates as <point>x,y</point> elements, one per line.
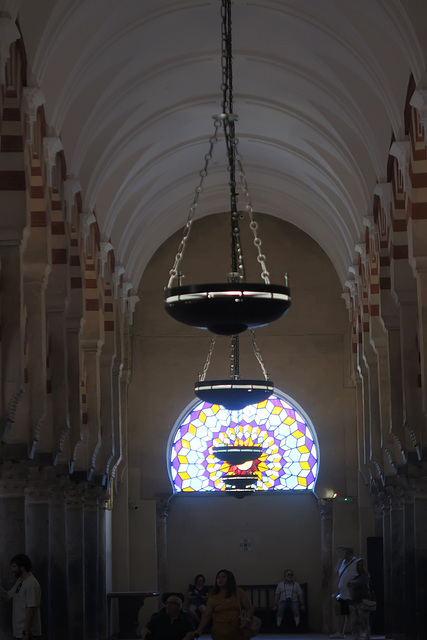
<point>306,355</point>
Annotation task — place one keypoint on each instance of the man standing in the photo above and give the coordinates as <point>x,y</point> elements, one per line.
<point>25,596</point>
<point>171,623</point>
<point>345,571</point>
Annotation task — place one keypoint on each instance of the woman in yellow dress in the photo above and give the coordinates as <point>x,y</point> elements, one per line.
<point>225,604</point>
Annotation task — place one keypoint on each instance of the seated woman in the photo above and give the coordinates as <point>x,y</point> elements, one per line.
<point>197,597</point>
<point>225,606</point>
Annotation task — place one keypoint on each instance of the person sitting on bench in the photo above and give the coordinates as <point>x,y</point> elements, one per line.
<point>288,596</point>
<point>170,623</point>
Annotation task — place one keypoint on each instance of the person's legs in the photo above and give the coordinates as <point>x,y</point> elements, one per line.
<point>280,612</point>
<point>355,621</point>
<point>295,611</point>
<point>192,610</point>
<point>364,622</point>
<point>342,618</point>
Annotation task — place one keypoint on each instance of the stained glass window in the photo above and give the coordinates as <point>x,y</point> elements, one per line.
<point>289,458</point>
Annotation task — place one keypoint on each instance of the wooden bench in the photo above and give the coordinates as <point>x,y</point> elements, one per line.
<point>262,599</point>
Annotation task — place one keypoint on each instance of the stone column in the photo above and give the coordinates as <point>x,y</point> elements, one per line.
<point>12,533</point>
<point>91,560</point>
<point>412,400</point>
<point>103,544</point>
<point>327,516</point>
<point>388,623</point>
<point>58,367</point>
<point>37,534</point>
<point>410,569</point>
<point>420,512</point>
<point>162,512</point>
<point>75,557</point>
<point>59,622</point>
<point>12,338</point>
<point>34,288</point>
<point>397,562</point>
<point>74,382</point>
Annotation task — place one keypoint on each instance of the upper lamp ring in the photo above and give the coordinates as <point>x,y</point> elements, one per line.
<point>227,309</point>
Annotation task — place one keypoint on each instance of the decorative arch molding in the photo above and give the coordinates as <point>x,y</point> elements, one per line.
<point>289,460</point>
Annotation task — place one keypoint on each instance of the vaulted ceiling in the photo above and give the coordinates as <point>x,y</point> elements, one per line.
<point>130,87</point>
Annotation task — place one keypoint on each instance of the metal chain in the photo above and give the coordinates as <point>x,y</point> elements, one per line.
<point>229,118</point>
<point>234,358</point>
<point>173,273</point>
<point>265,274</point>
<point>258,355</point>
<point>202,376</point>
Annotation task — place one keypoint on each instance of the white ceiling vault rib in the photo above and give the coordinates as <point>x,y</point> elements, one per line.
<point>130,87</point>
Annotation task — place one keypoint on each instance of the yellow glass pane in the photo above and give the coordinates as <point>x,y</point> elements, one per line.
<point>297,434</point>
<point>303,449</point>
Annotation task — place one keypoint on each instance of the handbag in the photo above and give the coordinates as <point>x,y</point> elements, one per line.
<point>369,605</point>
<point>250,627</point>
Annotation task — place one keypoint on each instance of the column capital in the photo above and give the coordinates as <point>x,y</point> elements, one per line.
<point>71,187</point>
<point>104,250</point>
<point>87,218</point>
<point>52,145</point>
<point>33,99</point>
<point>401,150</point>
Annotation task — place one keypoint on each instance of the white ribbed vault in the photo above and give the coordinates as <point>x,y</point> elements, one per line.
<point>130,88</point>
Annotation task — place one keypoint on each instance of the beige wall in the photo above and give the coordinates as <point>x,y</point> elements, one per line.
<point>306,355</point>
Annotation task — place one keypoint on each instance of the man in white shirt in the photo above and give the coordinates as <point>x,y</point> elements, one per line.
<point>345,571</point>
<point>25,595</point>
<point>288,596</point>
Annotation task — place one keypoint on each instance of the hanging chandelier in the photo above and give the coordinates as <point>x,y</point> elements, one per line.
<point>231,307</point>
<point>234,392</point>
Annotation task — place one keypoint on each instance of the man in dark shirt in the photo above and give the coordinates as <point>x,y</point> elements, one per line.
<point>171,623</point>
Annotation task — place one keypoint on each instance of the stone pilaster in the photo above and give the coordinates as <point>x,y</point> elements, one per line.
<point>162,512</point>
<point>326,514</point>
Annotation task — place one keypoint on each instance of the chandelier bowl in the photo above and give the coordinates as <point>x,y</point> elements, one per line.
<point>239,483</point>
<point>234,394</point>
<point>228,308</point>
<point>236,455</point>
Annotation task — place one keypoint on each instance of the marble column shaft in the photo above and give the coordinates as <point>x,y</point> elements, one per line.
<point>388,622</point>
<point>76,566</point>
<point>59,622</point>
<point>91,560</point>
<point>420,513</point>
<point>397,567</point>
<point>37,542</point>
